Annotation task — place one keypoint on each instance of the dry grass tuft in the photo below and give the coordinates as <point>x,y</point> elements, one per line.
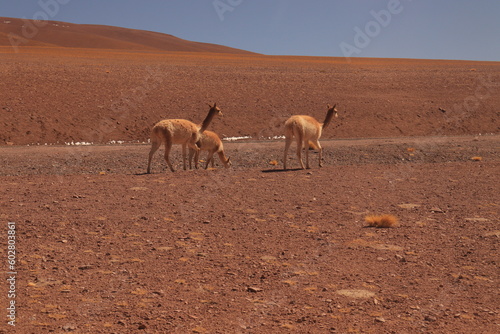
<point>476,158</point>
<point>381,221</point>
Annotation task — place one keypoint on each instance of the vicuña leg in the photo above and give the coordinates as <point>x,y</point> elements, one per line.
<point>197,159</point>
<point>192,153</point>
<point>299,153</point>
<point>210,159</point>
<point>306,147</point>
<point>168,147</point>
<point>318,145</point>
<point>154,147</point>
<point>184,148</point>
<point>288,141</point>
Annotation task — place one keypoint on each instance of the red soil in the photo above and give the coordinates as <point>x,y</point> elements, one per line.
<point>54,95</point>
<point>104,248</point>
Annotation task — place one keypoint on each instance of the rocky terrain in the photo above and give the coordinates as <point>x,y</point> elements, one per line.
<point>102,247</point>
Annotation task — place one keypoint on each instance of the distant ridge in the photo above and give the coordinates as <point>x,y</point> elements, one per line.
<point>23,32</point>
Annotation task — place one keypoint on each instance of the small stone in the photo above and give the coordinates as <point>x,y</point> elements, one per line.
<point>380,319</point>
<point>254,289</point>
<point>437,210</point>
<point>400,258</point>
<point>85,267</point>
<point>430,318</point>
<point>69,328</point>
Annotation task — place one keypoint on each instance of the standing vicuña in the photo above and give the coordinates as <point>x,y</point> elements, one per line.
<point>306,129</point>
<point>178,131</point>
<point>210,142</point>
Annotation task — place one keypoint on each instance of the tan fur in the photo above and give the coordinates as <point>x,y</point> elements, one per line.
<point>210,142</point>
<point>307,131</point>
<point>178,131</point>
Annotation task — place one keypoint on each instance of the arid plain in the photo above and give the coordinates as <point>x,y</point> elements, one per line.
<point>103,247</point>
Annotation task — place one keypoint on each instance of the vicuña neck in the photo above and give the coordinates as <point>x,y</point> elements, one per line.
<point>328,118</point>
<point>223,158</point>
<point>208,119</point>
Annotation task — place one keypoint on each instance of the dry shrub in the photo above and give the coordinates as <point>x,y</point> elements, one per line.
<point>382,221</point>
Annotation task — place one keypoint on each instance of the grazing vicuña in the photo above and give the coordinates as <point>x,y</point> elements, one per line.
<point>209,141</point>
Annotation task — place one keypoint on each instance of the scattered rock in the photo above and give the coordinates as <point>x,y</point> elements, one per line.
<point>138,188</point>
<point>400,258</point>
<point>430,318</point>
<point>477,220</point>
<point>493,234</point>
<point>85,267</point>
<point>408,206</point>
<point>357,294</point>
<point>69,328</point>
<point>437,210</point>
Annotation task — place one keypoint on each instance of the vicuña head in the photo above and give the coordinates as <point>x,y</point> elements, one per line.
<point>179,131</point>
<point>306,130</point>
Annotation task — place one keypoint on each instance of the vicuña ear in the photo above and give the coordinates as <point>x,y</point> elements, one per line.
<point>328,106</point>
<point>209,105</point>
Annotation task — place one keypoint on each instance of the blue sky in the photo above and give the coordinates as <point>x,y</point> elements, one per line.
<point>433,29</point>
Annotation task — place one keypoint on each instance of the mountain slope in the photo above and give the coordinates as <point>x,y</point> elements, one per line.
<point>60,34</point>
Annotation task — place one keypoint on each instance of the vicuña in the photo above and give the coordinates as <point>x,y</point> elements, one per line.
<point>210,142</point>
<point>306,130</point>
<point>178,131</point>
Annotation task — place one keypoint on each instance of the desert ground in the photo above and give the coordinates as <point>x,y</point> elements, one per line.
<point>102,247</point>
